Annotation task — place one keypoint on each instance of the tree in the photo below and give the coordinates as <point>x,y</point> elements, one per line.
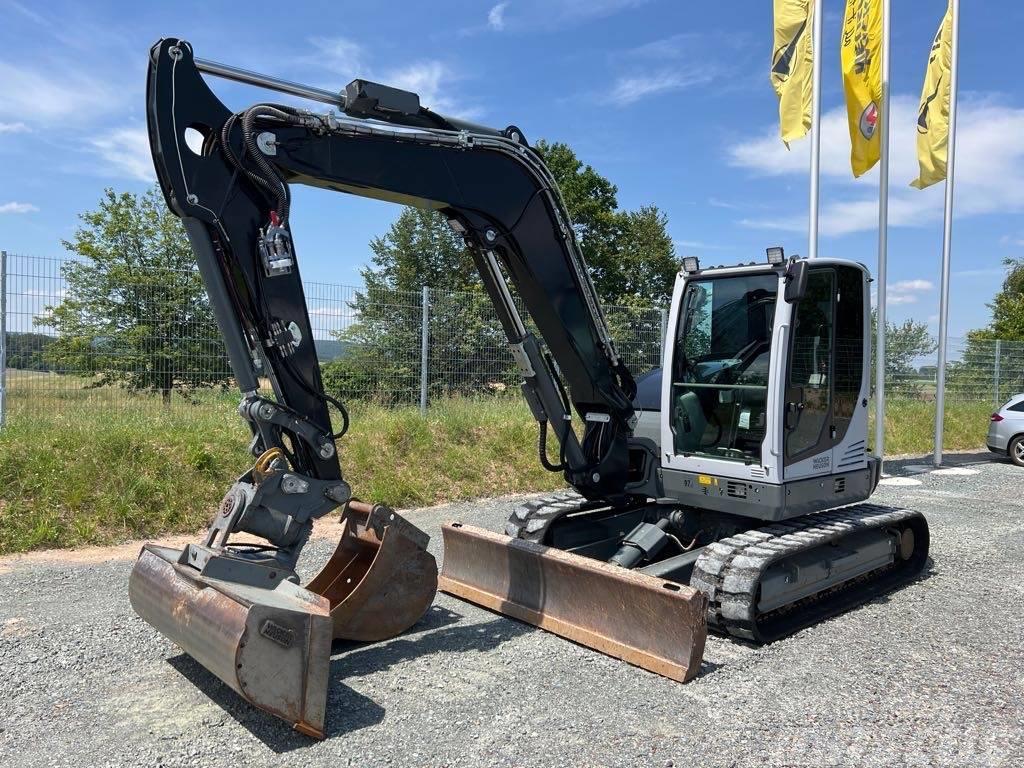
<point>904,343</point>
<point>382,358</point>
<point>135,313</point>
<point>646,263</point>
<point>27,351</point>
<point>590,200</point>
<point>1008,305</point>
<point>973,375</point>
<point>630,255</point>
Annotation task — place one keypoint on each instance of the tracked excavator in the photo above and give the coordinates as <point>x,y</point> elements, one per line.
<point>725,490</point>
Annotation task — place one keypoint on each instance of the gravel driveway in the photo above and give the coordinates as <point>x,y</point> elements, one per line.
<point>930,675</point>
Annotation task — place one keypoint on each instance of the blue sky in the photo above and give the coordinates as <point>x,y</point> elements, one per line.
<point>668,99</point>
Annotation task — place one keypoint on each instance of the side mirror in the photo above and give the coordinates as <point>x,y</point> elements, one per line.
<point>796,281</point>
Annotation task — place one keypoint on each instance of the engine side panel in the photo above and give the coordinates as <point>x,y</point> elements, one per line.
<point>768,501</point>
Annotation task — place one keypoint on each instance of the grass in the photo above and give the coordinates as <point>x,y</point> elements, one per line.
<point>910,426</point>
<point>90,467</point>
<point>73,476</point>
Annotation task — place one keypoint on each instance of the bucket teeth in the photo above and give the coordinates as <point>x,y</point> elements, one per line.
<point>652,623</point>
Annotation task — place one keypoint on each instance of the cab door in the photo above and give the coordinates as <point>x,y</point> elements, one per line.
<point>808,415</point>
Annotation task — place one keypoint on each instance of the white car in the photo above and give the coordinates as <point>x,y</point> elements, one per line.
<point>1006,430</point>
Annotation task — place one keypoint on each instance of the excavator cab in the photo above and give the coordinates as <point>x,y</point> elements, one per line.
<point>766,387</point>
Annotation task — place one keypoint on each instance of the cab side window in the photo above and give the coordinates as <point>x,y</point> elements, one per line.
<point>849,346</point>
<point>809,397</point>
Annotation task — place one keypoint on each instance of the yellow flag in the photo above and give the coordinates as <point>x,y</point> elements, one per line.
<point>861,57</point>
<point>933,113</point>
<point>792,62</point>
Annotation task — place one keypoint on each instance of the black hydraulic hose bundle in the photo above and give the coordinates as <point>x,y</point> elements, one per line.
<point>271,181</point>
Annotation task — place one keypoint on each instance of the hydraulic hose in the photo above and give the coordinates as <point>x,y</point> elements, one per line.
<point>542,451</point>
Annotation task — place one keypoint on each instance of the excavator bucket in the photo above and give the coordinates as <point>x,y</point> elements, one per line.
<point>652,623</point>
<point>271,641</point>
<point>381,579</point>
<point>272,646</point>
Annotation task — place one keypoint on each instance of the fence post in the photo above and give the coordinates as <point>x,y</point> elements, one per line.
<point>995,373</point>
<point>664,331</point>
<point>424,347</point>
<point>3,338</point>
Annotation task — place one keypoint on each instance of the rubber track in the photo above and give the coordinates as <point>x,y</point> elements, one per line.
<point>730,570</point>
<point>531,519</point>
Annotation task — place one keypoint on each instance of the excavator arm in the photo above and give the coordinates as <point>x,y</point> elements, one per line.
<point>236,605</point>
<point>494,190</point>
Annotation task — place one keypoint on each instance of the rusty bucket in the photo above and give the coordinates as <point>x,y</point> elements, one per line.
<point>268,638</point>
<point>381,579</point>
<point>272,645</point>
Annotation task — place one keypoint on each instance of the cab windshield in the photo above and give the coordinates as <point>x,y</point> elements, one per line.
<point>720,366</point>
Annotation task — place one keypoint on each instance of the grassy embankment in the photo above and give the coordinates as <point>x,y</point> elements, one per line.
<point>71,474</point>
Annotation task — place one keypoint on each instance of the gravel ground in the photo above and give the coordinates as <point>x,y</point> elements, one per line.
<point>930,675</point>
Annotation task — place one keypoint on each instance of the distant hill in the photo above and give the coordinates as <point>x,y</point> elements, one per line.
<point>27,350</point>
<point>331,349</point>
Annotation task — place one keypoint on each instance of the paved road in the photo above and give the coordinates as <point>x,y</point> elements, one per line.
<point>931,675</point>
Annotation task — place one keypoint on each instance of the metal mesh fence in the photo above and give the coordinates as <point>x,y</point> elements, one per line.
<point>149,339</point>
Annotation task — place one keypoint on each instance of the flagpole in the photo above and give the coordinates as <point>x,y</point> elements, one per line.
<point>883,243</point>
<point>947,238</point>
<point>812,248</point>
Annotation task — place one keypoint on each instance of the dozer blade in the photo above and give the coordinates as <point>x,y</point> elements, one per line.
<point>270,639</point>
<point>271,645</point>
<point>654,624</point>
<point>381,579</point>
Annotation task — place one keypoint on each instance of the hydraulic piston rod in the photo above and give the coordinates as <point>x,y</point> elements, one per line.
<point>248,77</point>
<point>334,98</point>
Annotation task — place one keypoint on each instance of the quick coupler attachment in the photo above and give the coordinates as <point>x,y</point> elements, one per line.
<point>655,624</point>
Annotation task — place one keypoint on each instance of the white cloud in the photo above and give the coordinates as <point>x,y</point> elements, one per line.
<point>630,89</point>
<point>900,298</point>
<point>568,11</point>
<point>126,153</point>
<point>332,311</point>
<point>338,54</point>
<point>673,47</point>
<point>993,272</point>
<point>1010,240</point>
<point>715,202</point>
<point>430,80</point>
<point>669,64</point>
<point>698,244</point>
<point>989,169</point>
<point>18,127</point>
<point>906,286</point>
<point>906,291</point>
<point>13,207</point>
<point>496,17</point>
<point>547,15</point>
<point>29,96</point>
